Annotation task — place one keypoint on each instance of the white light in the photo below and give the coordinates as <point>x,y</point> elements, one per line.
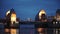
<point>41,12</point>
<point>7,12</point>
<point>56,22</point>
<point>13,18</point>
<point>17,22</point>
<point>58,17</point>
<point>53,22</point>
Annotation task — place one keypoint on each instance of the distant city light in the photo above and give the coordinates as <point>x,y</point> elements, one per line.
<point>53,22</point>
<point>58,15</point>
<point>58,18</point>
<point>56,22</point>
<point>29,19</point>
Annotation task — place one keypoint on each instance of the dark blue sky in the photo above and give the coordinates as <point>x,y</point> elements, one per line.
<point>29,8</point>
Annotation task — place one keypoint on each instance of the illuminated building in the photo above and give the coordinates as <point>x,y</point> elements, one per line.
<point>13,17</point>
<point>8,14</point>
<point>12,22</point>
<point>41,16</point>
<point>57,21</point>
<point>57,18</point>
<point>58,15</point>
<point>41,13</point>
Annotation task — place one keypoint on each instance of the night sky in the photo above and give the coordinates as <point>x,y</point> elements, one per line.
<point>29,8</point>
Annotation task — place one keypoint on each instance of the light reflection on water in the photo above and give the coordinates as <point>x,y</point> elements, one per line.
<point>12,31</point>
<point>41,30</point>
<point>30,31</point>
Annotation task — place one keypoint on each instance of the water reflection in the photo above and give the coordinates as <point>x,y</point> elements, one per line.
<point>11,31</point>
<point>42,30</point>
<point>6,30</point>
<point>27,30</point>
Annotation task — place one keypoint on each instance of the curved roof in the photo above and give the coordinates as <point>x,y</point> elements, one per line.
<point>8,12</point>
<point>42,12</point>
<point>38,16</point>
<point>58,11</point>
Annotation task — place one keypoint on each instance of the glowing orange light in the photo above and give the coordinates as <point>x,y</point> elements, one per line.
<point>6,30</point>
<point>13,31</point>
<point>58,17</point>
<point>41,12</point>
<point>40,30</point>
<point>13,18</point>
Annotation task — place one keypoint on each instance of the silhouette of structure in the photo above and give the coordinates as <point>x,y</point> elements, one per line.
<point>41,16</point>
<point>58,15</point>
<point>12,22</point>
